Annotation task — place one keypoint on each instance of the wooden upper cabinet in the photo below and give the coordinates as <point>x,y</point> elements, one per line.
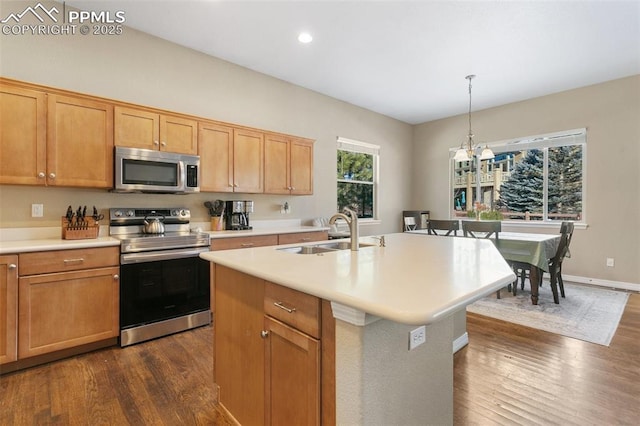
<point>23,139</point>
<point>79,142</point>
<point>288,165</point>
<point>8,308</point>
<point>248,161</point>
<point>301,167</point>
<point>136,128</point>
<point>215,148</point>
<point>277,165</point>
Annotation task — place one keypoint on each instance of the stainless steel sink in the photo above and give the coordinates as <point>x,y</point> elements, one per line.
<point>322,248</point>
<point>307,249</point>
<point>342,245</point>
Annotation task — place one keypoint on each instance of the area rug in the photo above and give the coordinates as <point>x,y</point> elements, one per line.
<point>587,313</point>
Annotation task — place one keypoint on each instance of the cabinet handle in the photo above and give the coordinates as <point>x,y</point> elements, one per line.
<point>247,244</point>
<point>78,260</point>
<point>235,185</point>
<point>12,266</point>
<point>163,143</point>
<point>284,308</point>
<point>264,334</point>
<point>41,175</point>
<point>52,175</point>
<point>116,277</point>
<point>156,143</point>
<point>305,239</point>
<point>293,188</point>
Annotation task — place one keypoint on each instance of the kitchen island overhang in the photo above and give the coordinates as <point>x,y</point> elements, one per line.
<point>378,295</point>
<point>414,280</point>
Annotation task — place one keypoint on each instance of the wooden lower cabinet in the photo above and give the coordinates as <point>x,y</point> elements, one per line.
<point>292,376</point>
<point>268,371</point>
<point>67,309</point>
<point>243,242</point>
<point>8,308</point>
<point>303,237</point>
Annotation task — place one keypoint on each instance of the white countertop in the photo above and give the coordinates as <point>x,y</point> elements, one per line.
<point>415,279</point>
<point>46,244</point>
<point>265,231</point>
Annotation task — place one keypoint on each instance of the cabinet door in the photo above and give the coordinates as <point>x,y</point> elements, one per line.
<point>292,379</point>
<point>136,128</point>
<point>215,147</point>
<point>79,142</point>
<point>248,157</point>
<point>23,143</point>
<point>8,308</point>
<point>277,165</point>
<point>301,167</point>
<point>238,346</point>
<point>178,134</point>
<point>59,311</point>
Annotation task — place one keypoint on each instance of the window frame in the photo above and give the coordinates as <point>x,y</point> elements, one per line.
<point>542,142</point>
<point>352,145</point>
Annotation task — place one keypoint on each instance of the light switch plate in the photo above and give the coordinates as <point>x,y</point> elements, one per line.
<point>37,210</point>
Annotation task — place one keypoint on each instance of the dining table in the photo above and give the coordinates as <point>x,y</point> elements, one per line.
<point>534,250</point>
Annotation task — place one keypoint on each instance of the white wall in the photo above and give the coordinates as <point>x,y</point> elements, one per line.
<point>610,112</point>
<point>142,69</point>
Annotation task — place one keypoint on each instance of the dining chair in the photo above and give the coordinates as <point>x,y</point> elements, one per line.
<point>555,266</point>
<point>483,229</point>
<point>446,227</point>
<point>565,229</point>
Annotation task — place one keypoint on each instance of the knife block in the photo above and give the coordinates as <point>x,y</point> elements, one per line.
<point>89,229</point>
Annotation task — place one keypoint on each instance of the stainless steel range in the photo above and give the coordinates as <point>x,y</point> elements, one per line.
<point>164,285</point>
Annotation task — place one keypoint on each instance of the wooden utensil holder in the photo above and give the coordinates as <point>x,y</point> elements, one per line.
<point>85,230</point>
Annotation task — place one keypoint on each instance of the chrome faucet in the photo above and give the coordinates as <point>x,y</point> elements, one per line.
<point>352,221</point>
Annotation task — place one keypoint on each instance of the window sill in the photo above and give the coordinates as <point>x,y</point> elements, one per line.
<point>517,225</point>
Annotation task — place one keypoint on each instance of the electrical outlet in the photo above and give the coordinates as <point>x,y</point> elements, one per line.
<point>37,210</point>
<point>610,262</point>
<point>417,337</point>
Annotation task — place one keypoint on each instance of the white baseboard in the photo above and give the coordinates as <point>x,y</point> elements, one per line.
<point>602,283</point>
<point>460,342</point>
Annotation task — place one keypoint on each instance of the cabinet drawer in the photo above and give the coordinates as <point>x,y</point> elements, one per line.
<point>243,242</point>
<point>68,260</point>
<point>299,310</point>
<point>302,237</point>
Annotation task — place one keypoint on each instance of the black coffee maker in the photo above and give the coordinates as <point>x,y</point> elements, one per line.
<point>236,215</point>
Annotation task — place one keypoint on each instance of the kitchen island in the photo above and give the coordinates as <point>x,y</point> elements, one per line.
<point>375,297</point>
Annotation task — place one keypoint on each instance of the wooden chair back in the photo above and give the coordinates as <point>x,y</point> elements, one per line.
<point>482,228</point>
<point>567,229</point>
<point>445,227</point>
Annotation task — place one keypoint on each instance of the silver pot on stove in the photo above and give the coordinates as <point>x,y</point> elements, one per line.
<point>153,224</point>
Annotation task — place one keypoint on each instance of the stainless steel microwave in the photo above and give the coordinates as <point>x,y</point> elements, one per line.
<point>146,170</point>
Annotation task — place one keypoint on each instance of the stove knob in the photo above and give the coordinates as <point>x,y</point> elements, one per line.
<point>130,213</point>
<point>117,213</point>
<point>183,212</point>
<point>175,212</point>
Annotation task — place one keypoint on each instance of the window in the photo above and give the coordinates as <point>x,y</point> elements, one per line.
<point>538,178</point>
<point>357,177</point>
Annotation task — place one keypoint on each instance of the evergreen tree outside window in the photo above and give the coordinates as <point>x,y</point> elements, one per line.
<point>533,179</point>
<point>357,177</point>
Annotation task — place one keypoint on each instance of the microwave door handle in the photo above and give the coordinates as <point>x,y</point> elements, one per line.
<point>182,185</point>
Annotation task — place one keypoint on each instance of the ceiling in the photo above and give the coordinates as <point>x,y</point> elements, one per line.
<point>407,59</point>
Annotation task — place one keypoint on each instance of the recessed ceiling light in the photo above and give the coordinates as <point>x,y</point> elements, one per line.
<point>305,38</point>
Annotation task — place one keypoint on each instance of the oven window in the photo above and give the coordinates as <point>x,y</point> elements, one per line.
<point>155,291</point>
<point>140,172</point>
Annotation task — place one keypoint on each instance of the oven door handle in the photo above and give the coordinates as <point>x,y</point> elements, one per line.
<point>154,256</point>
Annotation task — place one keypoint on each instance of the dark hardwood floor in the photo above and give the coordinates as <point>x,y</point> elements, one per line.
<point>508,374</point>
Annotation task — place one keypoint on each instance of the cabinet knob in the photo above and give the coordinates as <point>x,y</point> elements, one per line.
<point>156,143</point>
<point>41,175</point>
<point>264,334</point>
<point>12,266</point>
<point>293,188</point>
<point>163,143</point>
<point>116,277</point>
<point>52,175</point>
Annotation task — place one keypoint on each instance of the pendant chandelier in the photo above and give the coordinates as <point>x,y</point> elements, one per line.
<point>467,151</point>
